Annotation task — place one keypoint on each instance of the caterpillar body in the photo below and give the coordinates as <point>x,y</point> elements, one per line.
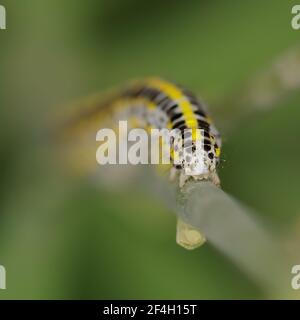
<point>156,103</point>
<point>152,103</point>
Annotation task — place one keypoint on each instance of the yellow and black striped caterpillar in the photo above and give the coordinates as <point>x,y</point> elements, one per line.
<point>156,103</point>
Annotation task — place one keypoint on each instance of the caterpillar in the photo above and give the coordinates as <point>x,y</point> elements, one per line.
<point>151,103</point>
<point>157,103</point>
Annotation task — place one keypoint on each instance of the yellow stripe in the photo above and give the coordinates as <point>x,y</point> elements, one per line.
<point>167,88</point>
<point>175,93</point>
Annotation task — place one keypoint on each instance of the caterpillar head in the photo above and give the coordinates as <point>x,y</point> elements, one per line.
<point>198,159</point>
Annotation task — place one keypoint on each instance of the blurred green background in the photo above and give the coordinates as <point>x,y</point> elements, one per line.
<point>64,239</point>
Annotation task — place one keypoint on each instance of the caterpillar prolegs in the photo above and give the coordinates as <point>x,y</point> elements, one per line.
<point>154,103</point>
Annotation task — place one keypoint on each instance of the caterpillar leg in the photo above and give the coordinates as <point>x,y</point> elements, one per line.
<point>187,236</point>
<point>173,174</point>
<point>215,179</point>
<point>183,179</point>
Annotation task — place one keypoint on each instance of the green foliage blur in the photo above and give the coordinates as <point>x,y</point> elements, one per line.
<point>68,240</point>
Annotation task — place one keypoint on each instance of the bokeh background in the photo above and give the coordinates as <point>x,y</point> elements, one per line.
<point>67,238</point>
